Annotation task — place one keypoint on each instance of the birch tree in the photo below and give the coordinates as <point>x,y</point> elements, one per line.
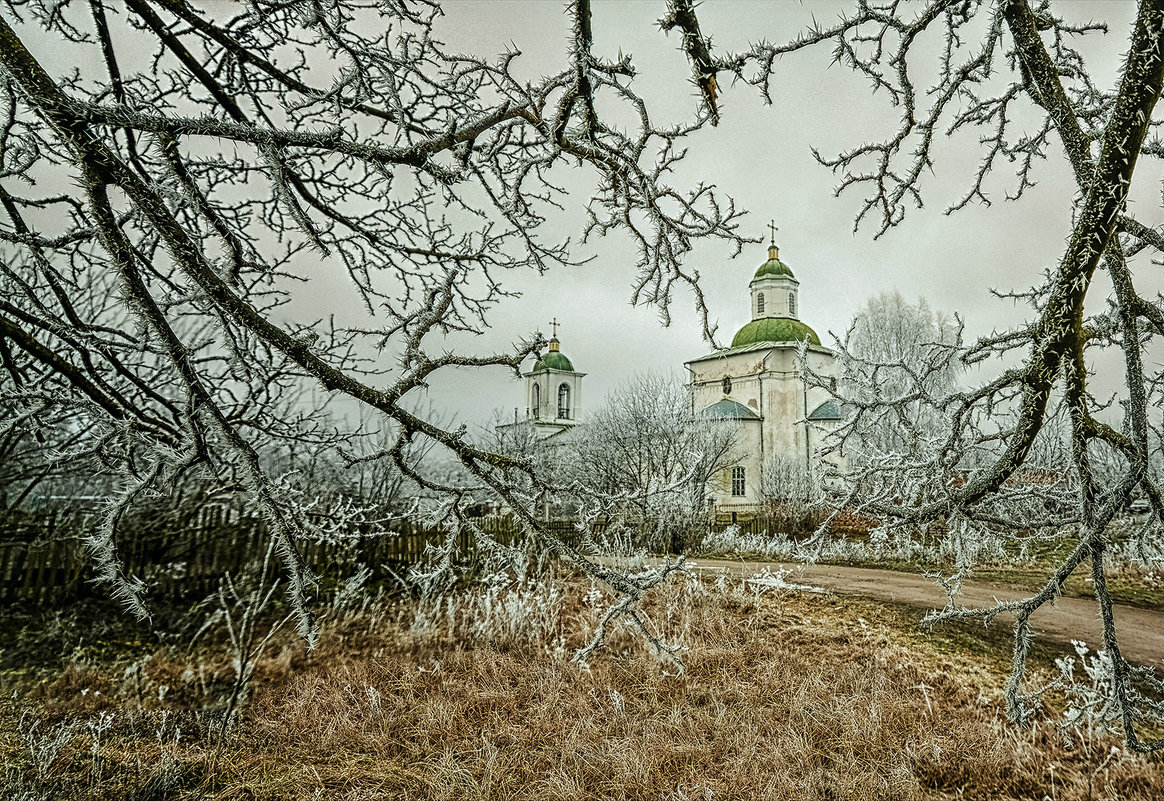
<point>893,346</point>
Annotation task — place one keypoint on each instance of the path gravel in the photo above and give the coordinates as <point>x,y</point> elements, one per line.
<point>1067,619</point>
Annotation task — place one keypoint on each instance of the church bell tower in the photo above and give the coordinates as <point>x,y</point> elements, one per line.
<point>774,289</point>
<point>553,391</point>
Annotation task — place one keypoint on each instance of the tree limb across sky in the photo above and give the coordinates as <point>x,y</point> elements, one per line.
<point>156,216</point>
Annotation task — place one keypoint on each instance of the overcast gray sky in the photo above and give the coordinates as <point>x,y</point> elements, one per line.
<point>761,156</point>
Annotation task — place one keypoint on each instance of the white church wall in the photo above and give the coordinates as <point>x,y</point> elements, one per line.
<point>769,382</point>
<point>743,369</point>
<point>749,449</point>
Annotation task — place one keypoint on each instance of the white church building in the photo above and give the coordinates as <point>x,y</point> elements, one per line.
<point>553,396</point>
<point>755,384</point>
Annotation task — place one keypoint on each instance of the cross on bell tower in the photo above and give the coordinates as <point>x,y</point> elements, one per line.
<point>773,251</point>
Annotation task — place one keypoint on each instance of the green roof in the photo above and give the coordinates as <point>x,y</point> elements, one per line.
<point>554,360</point>
<point>774,267</point>
<point>730,410</point>
<point>829,410</point>
<point>774,329</point>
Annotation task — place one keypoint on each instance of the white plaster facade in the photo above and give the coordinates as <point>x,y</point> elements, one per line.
<point>761,373</point>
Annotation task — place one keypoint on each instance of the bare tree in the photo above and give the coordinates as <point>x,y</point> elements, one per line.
<point>893,346</point>
<point>35,458</point>
<point>646,457</point>
<point>996,58</point>
<point>158,212</point>
<point>792,491</point>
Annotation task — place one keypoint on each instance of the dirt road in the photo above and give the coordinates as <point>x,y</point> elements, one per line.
<point>1141,630</point>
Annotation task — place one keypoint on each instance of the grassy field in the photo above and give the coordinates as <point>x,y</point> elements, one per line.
<point>784,695</point>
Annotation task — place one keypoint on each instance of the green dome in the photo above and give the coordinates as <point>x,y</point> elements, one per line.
<point>554,360</point>
<point>774,329</point>
<point>774,267</point>
<point>827,411</point>
<point>728,409</point>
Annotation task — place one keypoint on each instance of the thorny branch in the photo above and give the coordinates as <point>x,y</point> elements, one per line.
<point>218,174</point>
<point>983,465</point>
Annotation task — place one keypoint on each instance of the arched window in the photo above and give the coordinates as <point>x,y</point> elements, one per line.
<point>727,385</point>
<point>537,401</point>
<point>737,481</point>
<point>564,402</point>
<point>791,304</point>
<point>759,303</point>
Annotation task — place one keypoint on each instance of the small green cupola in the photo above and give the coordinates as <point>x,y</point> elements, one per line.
<point>553,360</point>
<point>773,266</point>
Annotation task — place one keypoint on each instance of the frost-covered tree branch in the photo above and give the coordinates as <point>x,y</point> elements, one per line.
<point>220,171</point>
<point>646,458</point>
<point>1030,449</point>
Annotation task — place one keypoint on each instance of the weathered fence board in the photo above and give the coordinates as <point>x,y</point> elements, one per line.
<point>40,566</point>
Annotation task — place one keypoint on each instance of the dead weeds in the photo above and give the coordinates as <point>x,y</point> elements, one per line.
<point>783,696</point>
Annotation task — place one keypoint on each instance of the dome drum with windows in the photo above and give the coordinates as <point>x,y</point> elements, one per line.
<point>775,317</point>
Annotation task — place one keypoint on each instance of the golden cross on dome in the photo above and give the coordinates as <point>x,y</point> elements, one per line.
<point>772,229</point>
<point>555,325</point>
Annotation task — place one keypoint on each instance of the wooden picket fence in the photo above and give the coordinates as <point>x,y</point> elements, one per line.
<point>43,564</point>
<point>846,523</point>
<point>43,559</point>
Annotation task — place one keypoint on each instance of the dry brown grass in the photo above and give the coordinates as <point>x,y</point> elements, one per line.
<point>795,696</point>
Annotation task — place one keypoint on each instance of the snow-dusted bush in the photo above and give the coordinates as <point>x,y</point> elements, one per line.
<point>883,544</point>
